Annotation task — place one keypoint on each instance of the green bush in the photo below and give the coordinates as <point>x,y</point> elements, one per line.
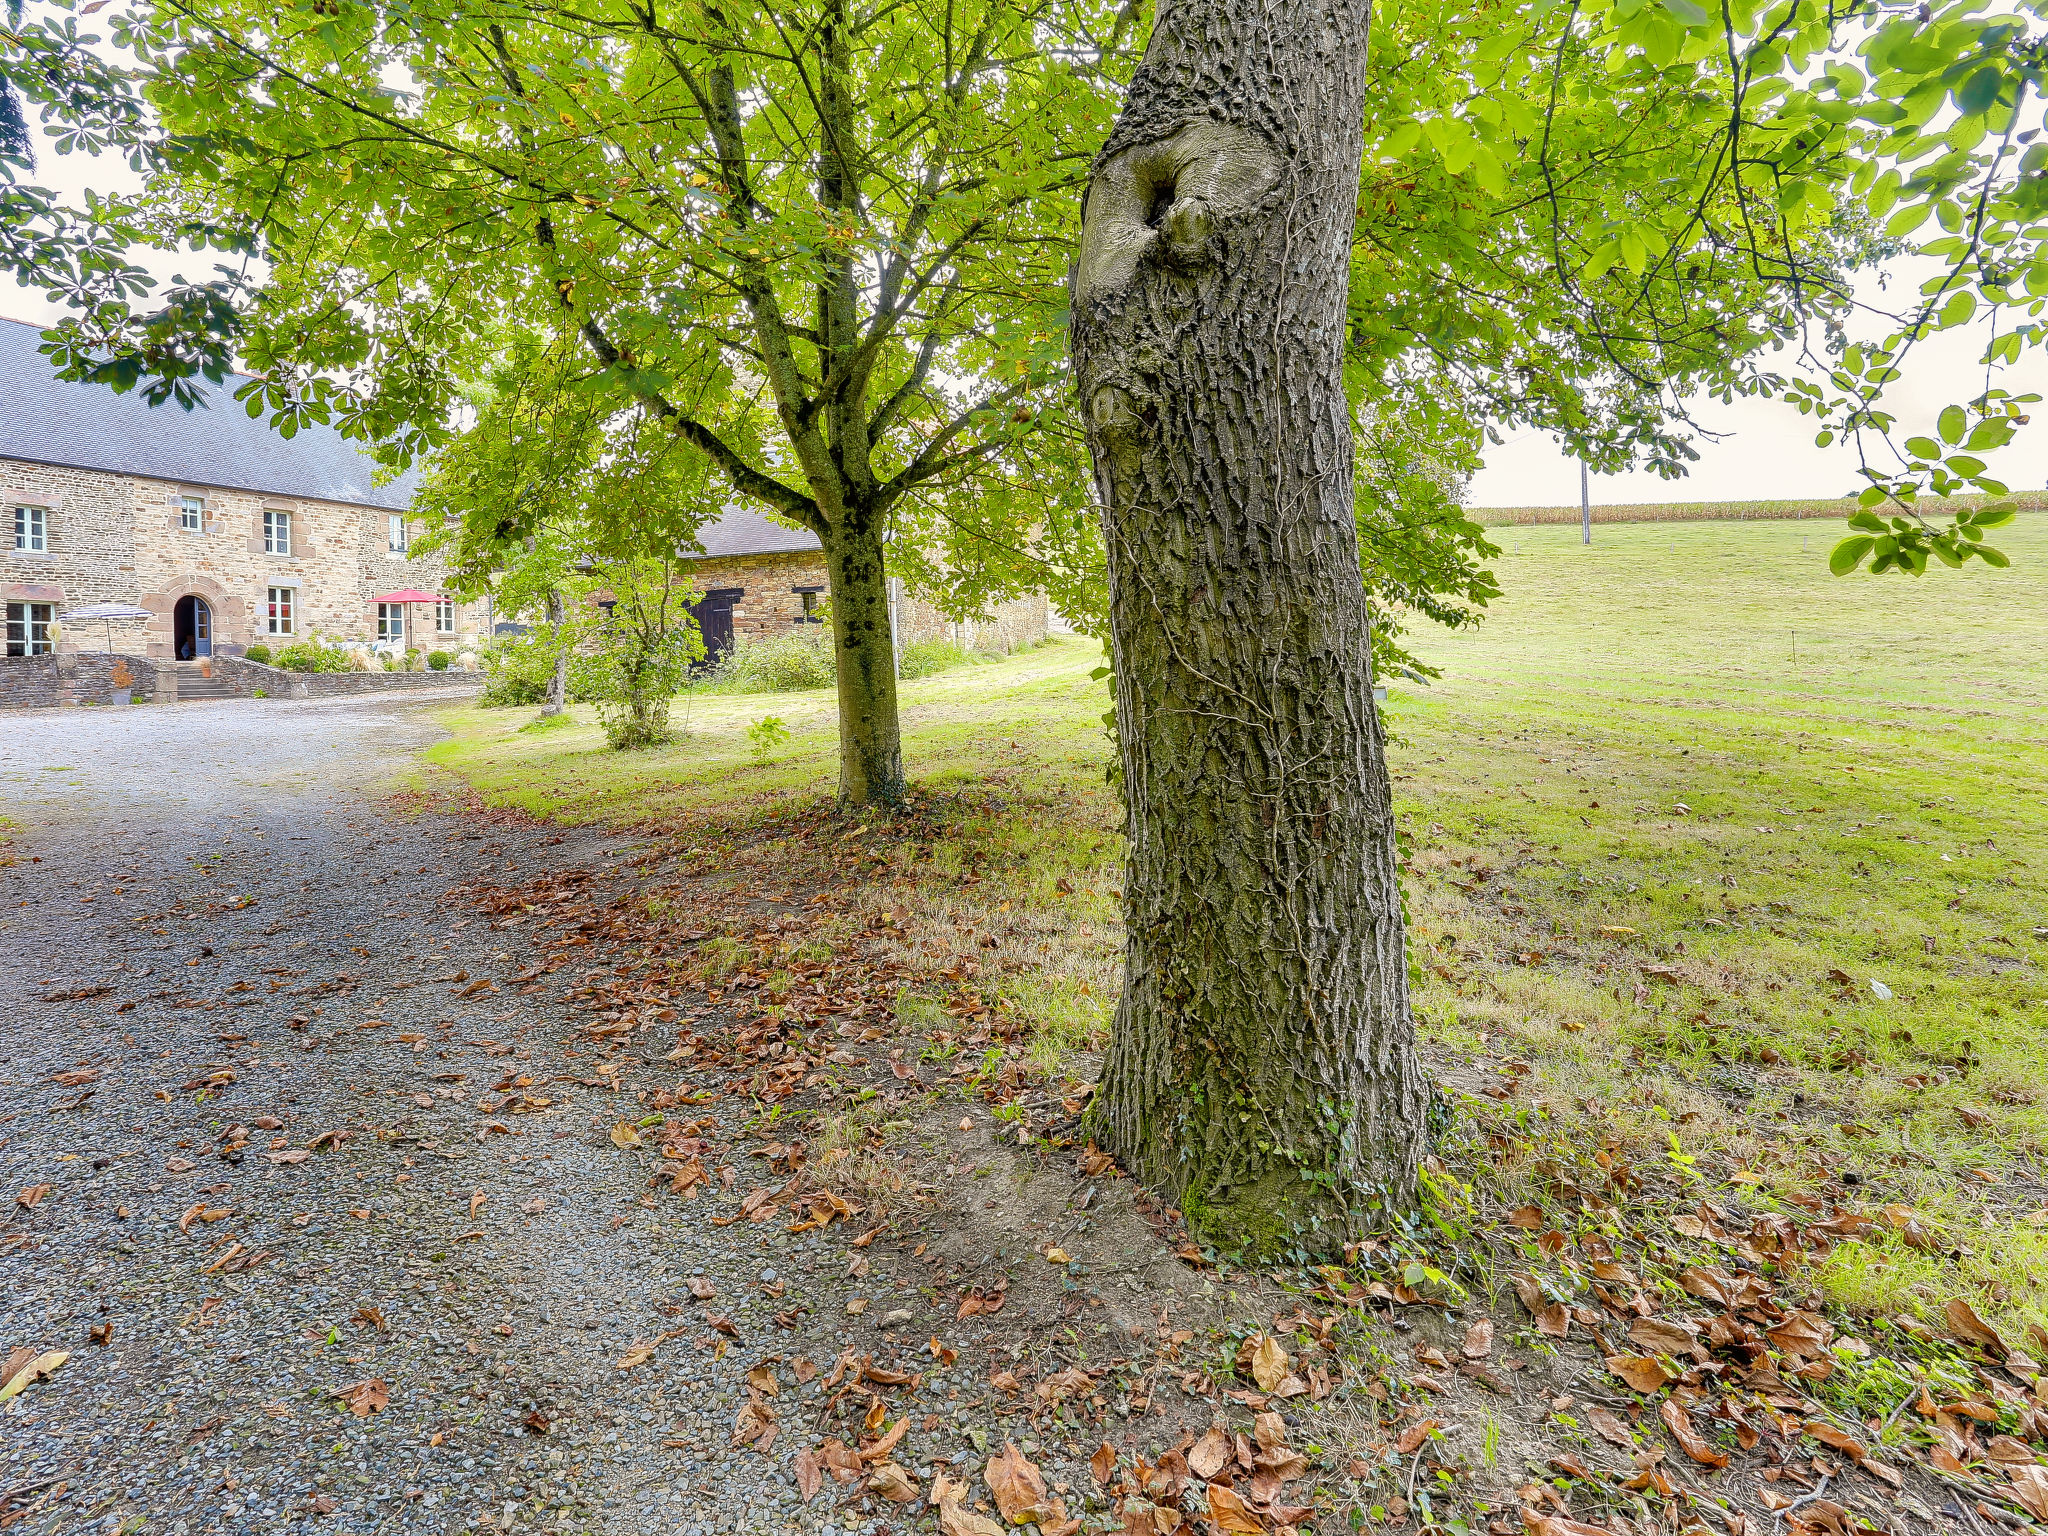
<point>259,652</point>
<point>518,668</point>
<point>786,664</point>
<point>437,661</point>
<point>310,656</point>
<point>922,658</point>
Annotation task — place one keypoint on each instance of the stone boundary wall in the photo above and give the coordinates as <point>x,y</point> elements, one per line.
<point>86,677</point>
<point>74,677</point>
<point>246,676</point>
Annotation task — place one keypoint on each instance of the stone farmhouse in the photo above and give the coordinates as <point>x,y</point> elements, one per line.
<point>761,578</point>
<point>227,533</point>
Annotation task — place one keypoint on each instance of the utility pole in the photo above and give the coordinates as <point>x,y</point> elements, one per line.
<point>1585,507</point>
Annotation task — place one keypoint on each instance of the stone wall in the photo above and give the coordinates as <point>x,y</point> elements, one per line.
<point>46,682</point>
<point>772,604</point>
<point>246,676</point>
<point>119,538</point>
<point>68,677</point>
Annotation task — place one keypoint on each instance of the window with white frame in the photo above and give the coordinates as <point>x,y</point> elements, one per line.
<point>391,621</point>
<point>398,539</point>
<point>281,601</point>
<point>32,530</point>
<point>444,616</point>
<point>192,513</point>
<point>277,531</point>
<point>28,628</point>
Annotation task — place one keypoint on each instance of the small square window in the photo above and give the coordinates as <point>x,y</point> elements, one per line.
<point>192,513</point>
<point>277,532</point>
<point>398,538</point>
<point>391,621</point>
<point>32,530</point>
<point>444,616</point>
<point>281,600</point>
<point>28,628</point>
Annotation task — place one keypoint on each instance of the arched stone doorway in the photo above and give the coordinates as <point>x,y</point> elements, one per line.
<point>191,629</point>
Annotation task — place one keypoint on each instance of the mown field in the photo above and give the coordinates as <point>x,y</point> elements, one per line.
<point>1827,512</point>
<point>1723,870</point>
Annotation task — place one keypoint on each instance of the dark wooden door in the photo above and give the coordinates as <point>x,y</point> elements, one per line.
<point>714,621</point>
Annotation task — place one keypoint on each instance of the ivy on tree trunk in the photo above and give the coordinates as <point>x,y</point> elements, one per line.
<point>1263,1065</point>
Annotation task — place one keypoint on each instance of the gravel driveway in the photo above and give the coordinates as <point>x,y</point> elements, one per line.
<point>207,910</point>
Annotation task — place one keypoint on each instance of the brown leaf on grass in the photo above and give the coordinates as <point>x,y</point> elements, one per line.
<point>1805,1334</point>
<point>1269,1430</point>
<point>1643,1372</point>
<point>1610,1428</point>
<point>893,1484</point>
<point>2030,1487</point>
<point>1658,1336</point>
<point>1017,1486</point>
<point>1690,1441</point>
<point>1478,1340</point>
<point>1228,1512</point>
<point>1539,1524</point>
<point>1966,1325</point>
<point>365,1397</point>
<point>1840,1440</point>
<point>1208,1455</point>
<point>949,1498</point>
<point>1414,1436</point>
<point>1103,1463</point>
<point>1528,1217</point>
<point>2010,1451</point>
<point>1707,1284</point>
<point>1262,1358</point>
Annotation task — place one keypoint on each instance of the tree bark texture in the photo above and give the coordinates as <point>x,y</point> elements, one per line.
<point>558,682</point>
<point>870,739</point>
<point>1263,1065</point>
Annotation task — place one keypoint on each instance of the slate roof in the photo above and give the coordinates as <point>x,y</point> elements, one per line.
<point>739,531</point>
<point>44,420</point>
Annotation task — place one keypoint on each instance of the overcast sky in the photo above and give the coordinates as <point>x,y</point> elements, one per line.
<point>1767,452</point>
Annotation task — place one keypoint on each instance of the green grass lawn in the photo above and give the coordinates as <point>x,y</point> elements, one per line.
<point>1673,783</point>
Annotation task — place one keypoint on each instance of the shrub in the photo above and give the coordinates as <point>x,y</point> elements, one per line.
<point>437,661</point>
<point>518,669</point>
<point>258,653</point>
<point>259,693</point>
<point>311,656</point>
<point>786,664</point>
<point>923,658</point>
<point>767,734</point>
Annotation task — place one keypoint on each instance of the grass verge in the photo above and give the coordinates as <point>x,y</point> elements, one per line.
<point>1723,876</point>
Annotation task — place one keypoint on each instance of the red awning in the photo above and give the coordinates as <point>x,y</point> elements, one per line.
<point>409,595</point>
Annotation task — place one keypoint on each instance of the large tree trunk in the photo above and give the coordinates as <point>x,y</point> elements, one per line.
<point>1263,1065</point>
<point>870,742</point>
